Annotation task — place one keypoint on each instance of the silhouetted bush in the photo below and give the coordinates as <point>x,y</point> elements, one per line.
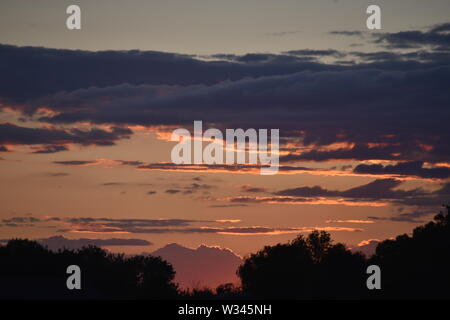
<point>307,267</point>
<point>30,271</point>
<point>310,267</point>
<point>417,266</point>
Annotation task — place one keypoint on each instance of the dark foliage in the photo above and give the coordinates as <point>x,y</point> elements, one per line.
<point>311,267</point>
<point>415,266</point>
<point>30,271</point>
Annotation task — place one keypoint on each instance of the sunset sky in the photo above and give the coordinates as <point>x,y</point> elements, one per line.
<point>86,117</point>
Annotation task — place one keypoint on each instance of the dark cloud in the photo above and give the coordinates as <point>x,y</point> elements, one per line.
<point>429,201</point>
<point>443,27</point>
<point>375,190</point>
<point>392,56</point>
<point>378,56</point>
<point>110,68</point>
<point>418,202</point>
<point>113,184</point>
<point>195,187</point>
<point>415,216</point>
<point>203,186</point>
<point>328,107</point>
<point>381,189</point>
<point>319,104</point>
<point>164,166</point>
<point>14,222</point>
<point>13,134</point>
<point>297,200</point>
<point>27,221</point>
<point>356,152</point>
<point>311,52</point>
<point>251,189</point>
<point>53,219</point>
<point>315,191</point>
<point>438,36</point>
<point>347,33</point>
<point>444,190</point>
<point>172,191</point>
<point>147,226</point>
<point>163,226</point>
<point>283,33</point>
<point>75,162</point>
<point>251,230</point>
<point>21,220</point>
<point>411,168</point>
<point>57,174</point>
<point>379,192</point>
<point>265,58</point>
<point>129,223</point>
<point>50,149</point>
<point>59,242</point>
<point>130,163</point>
<point>227,205</point>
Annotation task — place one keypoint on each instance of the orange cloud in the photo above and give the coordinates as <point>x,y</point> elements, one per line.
<point>349,221</point>
<point>302,201</point>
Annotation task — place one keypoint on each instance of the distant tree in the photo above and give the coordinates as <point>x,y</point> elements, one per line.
<point>229,291</point>
<point>412,266</point>
<point>417,266</point>
<point>197,293</point>
<point>311,267</point>
<point>30,271</point>
<point>226,288</point>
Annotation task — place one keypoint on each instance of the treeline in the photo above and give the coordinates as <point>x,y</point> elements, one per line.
<point>30,271</point>
<point>416,266</point>
<point>311,267</point>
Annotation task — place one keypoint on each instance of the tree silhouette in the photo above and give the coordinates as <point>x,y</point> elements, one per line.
<point>412,266</point>
<point>417,266</point>
<point>311,267</point>
<point>30,271</point>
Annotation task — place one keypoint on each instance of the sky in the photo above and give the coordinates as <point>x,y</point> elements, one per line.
<point>207,26</point>
<point>86,117</point>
